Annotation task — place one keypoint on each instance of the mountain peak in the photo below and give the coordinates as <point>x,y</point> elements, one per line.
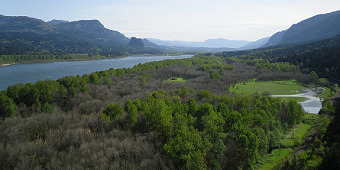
<point>56,22</point>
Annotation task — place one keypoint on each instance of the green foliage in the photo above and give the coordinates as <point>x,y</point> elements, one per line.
<point>47,108</point>
<point>94,79</point>
<point>221,72</point>
<point>113,111</point>
<point>7,107</point>
<point>186,147</point>
<point>158,114</point>
<point>73,84</point>
<point>214,75</point>
<point>132,111</point>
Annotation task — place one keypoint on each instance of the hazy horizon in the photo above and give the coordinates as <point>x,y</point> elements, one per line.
<point>184,20</point>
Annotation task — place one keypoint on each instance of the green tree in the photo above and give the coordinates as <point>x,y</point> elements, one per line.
<point>94,78</point>
<point>186,146</point>
<point>159,116</point>
<point>7,107</point>
<point>214,75</point>
<point>113,111</point>
<point>221,72</point>
<point>132,110</point>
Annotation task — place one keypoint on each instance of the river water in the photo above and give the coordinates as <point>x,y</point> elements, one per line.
<point>31,73</point>
<point>312,105</point>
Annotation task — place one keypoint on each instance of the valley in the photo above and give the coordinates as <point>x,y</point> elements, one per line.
<point>134,104</point>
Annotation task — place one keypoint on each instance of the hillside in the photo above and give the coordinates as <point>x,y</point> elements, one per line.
<point>25,24</point>
<point>318,27</point>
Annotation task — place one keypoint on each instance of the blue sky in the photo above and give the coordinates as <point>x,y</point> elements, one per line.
<point>186,20</point>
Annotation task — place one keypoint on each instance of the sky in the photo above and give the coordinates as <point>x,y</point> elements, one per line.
<point>185,20</point>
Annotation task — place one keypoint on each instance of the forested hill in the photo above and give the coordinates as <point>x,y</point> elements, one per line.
<point>318,27</point>
<point>25,35</point>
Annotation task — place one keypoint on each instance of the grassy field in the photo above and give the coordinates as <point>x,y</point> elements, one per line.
<point>179,80</point>
<point>273,87</point>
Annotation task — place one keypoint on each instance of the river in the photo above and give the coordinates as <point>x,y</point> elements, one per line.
<point>312,105</point>
<point>31,73</point>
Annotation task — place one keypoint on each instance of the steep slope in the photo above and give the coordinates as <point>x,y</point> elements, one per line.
<point>322,29</point>
<point>275,39</point>
<point>318,27</point>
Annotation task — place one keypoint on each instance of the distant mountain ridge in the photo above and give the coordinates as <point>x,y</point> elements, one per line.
<point>315,28</point>
<point>210,43</point>
<point>26,35</point>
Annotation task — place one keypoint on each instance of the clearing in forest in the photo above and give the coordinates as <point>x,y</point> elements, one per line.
<point>273,87</point>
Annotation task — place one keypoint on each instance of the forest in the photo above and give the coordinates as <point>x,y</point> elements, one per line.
<point>135,118</point>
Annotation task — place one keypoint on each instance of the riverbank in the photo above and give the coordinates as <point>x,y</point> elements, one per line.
<point>52,61</point>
